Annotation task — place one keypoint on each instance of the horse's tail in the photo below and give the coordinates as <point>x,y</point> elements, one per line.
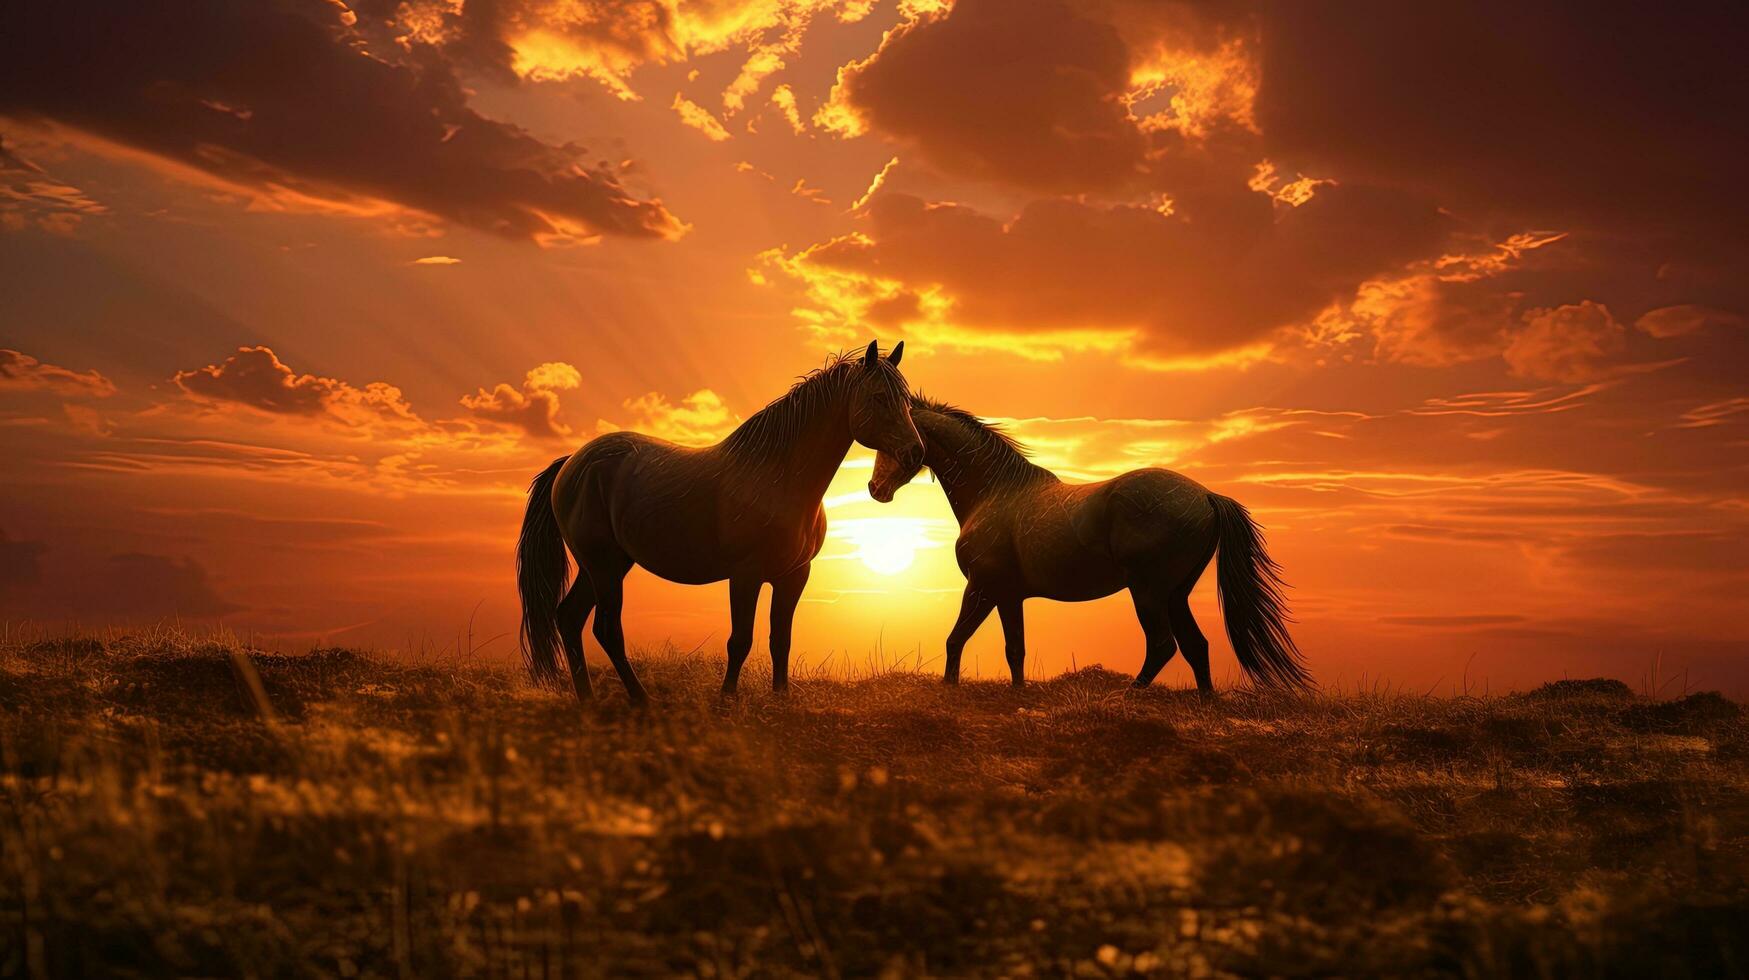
<point>542,572</point>
<point>1251,601</point>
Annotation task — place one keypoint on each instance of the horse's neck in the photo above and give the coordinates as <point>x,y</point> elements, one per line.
<point>793,447</point>
<point>967,469</point>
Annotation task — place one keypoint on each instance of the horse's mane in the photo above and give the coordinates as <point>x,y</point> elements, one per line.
<point>1008,458</point>
<point>774,427</point>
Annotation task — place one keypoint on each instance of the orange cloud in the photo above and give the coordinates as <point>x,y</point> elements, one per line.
<point>29,197</point>
<point>1438,311</point>
<point>1676,321</point>
<point>1567,343</point>
<point>699,118</point>
<point>784,98</point>
<point>21,372</point>
<point>700,418</point>
<point>609,40</point>
<point>533,408</point>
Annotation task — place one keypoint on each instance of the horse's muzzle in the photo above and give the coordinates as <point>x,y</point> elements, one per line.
<point>881,494</point>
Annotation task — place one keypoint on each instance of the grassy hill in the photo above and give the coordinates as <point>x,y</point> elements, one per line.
<point>171,804</point>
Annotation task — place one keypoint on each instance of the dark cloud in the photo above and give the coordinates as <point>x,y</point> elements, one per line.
<point>1188,286</point>
<point>138,586</point>
<point>1687,318</point>
<point>1618,127</point>
<point>1614,116</point>
<point>128,587</point>
<point>256,378</point>
<point>283,99</point>
<point>1567,116</point>
<point>21,372</point>
<point>1044,109</point>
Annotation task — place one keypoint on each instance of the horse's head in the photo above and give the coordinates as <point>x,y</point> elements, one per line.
<point>891,473</point>
<point>880,408</point>
<point>893,470</point>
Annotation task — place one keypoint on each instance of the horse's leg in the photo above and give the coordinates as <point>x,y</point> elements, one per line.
<point>1153,610</point>
<point>743,606</point>
<point>1014,638</point>
<point>975,607</point>
<point>573,613</point>
<point>785,593</point>
<point>607,578</point>
<point>1196,646</point>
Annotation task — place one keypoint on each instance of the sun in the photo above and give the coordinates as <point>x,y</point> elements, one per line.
<point>886,545</point>
<point>887,554</point>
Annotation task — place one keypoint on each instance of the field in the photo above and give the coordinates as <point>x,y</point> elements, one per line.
<point>177,805</point>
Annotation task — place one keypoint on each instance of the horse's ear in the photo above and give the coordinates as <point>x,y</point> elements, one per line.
<point>874,352</point>
<point>898,352</point>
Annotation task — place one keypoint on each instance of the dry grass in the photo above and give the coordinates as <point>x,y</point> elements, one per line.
<point>174,805</point>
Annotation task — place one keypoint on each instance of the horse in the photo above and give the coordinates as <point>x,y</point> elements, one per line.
<point>1024,533</point>
<point>746,509</point>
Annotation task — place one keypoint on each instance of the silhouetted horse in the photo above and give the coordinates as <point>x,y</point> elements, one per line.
<point>746,509</point>
<point>1024,533</point>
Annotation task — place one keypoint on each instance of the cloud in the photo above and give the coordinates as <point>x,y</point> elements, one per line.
<point>129,587</point>
<point>1566,116</point>
<point>255,378</point>
<point>1125,277</point>
<point>144,586</point>
<point>436,260</point>
<point>700,418</point>
<point>29,196</point>
<point>1508,121</point>
<point>1461,305</point>
<point>1486,107</point>
<point>1567,343</point>
<point>21,372</point>
<point>1676,321</point>
<point>699,118</point>
<point>608,40</point>
<point>1044,110</point>
<point>784,98</point>
<point>534,407</point>
<point>312,118</point>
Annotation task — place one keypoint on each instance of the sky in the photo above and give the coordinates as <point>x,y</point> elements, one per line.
<point>297,296</point>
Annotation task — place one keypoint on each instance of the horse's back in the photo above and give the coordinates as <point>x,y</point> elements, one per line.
<point>1082,541</point>
<point>595,469</point>
<point>1160,522</point>
<point>644,497</point>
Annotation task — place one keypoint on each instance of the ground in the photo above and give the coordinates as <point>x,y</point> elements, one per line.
<point>180,805</point>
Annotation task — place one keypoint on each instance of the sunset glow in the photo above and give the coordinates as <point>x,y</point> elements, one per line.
<point>284,338</point>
